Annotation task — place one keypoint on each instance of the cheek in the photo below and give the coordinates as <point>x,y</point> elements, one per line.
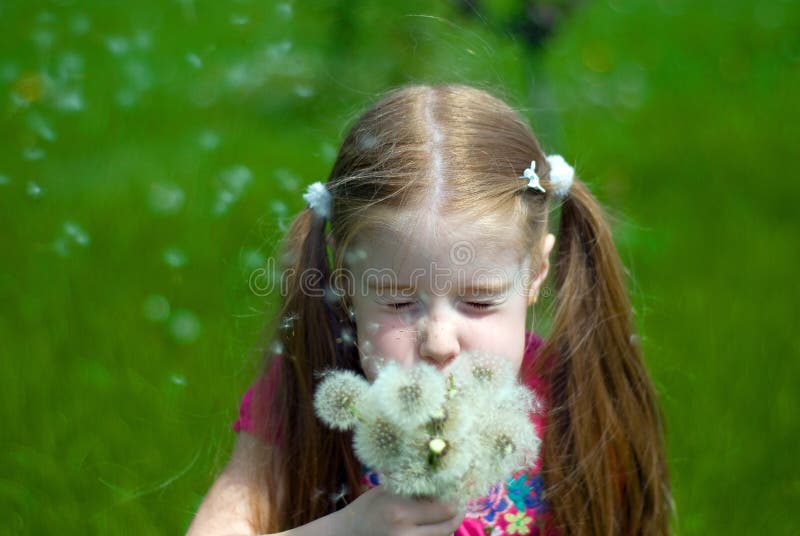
<point>385,339</point>
<point>504,335</point>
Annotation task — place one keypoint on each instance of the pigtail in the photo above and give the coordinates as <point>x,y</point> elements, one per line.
<point>311,463</point>
<point>604,464</point>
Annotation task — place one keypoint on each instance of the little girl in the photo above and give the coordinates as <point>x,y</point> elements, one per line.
<point>430,239</point>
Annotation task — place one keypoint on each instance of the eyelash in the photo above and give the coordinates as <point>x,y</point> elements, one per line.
<point>403,305</point>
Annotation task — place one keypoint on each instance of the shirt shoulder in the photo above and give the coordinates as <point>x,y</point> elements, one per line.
<point>256,410</point>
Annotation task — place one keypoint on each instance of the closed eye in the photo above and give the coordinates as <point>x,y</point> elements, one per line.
<point>401,305</point>
<point>480,305</point>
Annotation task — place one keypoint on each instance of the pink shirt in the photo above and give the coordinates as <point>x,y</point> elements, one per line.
<point>511,507</point>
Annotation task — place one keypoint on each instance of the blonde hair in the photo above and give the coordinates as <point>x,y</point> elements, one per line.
<point>457,151</point>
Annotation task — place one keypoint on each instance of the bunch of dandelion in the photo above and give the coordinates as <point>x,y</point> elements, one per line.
<point>432,435</point>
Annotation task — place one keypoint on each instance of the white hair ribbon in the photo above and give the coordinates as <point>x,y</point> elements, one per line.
<point>561,176</point>
<point>319,199</point>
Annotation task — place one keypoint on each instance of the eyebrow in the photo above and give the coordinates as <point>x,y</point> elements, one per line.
<point>482,287</point>
<point>493,287</point>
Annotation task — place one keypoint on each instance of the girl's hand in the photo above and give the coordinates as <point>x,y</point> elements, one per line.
<point>381,513</point>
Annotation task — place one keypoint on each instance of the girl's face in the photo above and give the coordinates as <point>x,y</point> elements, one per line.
<point>440,295</point>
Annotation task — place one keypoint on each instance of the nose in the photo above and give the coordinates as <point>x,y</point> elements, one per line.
<point>439,341</point>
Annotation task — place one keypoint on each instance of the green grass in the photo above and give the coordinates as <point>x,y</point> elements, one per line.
<point>681,116</point>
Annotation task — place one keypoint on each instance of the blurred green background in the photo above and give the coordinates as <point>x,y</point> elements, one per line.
<point>153,153</point>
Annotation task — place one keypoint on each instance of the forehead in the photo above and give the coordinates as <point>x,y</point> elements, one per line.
<point>413,242</point>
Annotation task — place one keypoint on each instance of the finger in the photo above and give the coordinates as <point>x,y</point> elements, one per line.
<point>443,528</point>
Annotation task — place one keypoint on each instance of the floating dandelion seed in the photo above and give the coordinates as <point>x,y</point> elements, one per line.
<point>143,40</point>
<point>33,153</point>
<point>43,37</point>
<point>252,259</point>
<point>156,308</point>
<point>284,9</point>
<point>117,45</point>
<point>76,233</point>
<point>289,320</point>
<point>34,190</point>
<point>288,180</point>
<point>340,494</point>
<point>224,200</point>
<point>372,328</point>
<point>366,349</point>
<point>239,19</point>
<point>236,178</point>
<point>278,207</point>
<point>79,24</point>
<point>174,257</point>
<point>328,152</point>
<point>209,140</point>
<point>139,74</point>
<point>184,326</point>
<point>303,90</point>
<point>69,101</point>
<point>178,379</point>
<point>347,336</point>
<point>41,127</point>
<point>194,60</point>
<point>278,50</point>
<point>237,75</point>
<point>70,65</point>
<point>165,198</point>
<point>126,98</point>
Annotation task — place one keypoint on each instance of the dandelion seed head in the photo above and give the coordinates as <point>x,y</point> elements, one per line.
<point>412,479</point>
<point>481,374</point>
<point>511,444</point>
<point>337,398</point>
<point>504,445</point>
<point>378,442</point>
<point>409,396</point>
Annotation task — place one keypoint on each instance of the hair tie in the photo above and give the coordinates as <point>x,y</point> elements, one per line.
<point>319,199</point>
<point>561,176</point>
